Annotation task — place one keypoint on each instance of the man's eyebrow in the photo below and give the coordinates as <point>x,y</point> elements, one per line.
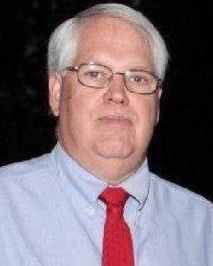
<point>90,61</point>
<point>139,68</point>
<point>142,68</point>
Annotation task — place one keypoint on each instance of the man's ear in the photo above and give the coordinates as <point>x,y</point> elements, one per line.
<point>55,88</point>
<point>159,93</point>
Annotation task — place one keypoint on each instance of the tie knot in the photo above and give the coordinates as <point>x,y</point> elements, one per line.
<point>114,196</point>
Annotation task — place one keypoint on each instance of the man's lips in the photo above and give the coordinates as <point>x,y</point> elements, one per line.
<point>115,120</point>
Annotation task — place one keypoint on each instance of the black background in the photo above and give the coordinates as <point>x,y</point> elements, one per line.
<point>182,144</point>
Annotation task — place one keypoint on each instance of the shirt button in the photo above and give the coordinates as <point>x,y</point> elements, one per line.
<point>139,210</point>
<point>91,210</point>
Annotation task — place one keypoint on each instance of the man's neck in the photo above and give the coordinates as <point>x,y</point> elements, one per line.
<point>113,171</point>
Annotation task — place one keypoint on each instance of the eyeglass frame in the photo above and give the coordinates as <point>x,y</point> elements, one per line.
<point>76,68</point>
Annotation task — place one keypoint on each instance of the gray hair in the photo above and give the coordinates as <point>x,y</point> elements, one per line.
<point>64,40</point>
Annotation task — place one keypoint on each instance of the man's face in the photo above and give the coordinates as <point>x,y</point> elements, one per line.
<point>109,124</point>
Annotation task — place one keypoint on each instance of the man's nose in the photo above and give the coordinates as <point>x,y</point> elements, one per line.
<point>116,90</point>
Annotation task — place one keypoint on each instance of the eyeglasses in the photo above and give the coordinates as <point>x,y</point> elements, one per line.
<point>99,76</point>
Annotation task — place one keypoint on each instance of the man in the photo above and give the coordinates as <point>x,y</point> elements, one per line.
<point>92,200</point>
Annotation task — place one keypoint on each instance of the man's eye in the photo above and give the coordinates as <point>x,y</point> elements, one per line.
<point>137,79</point>
<point>93,74</point>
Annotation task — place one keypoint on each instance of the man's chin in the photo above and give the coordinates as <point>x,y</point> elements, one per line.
<point>110,152</point>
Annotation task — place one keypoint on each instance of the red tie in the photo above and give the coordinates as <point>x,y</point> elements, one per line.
<point>117,242</point>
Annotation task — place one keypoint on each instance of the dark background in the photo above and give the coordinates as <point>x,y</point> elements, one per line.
<point>182,144</point>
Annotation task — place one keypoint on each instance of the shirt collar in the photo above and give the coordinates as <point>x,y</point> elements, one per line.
<point>89,186</point>
<point>138,184</point>
<point>74,177</point>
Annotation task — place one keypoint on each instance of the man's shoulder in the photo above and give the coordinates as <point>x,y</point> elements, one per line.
<point>25,183</point>
<point>177,195</point>
<point>25,169</point>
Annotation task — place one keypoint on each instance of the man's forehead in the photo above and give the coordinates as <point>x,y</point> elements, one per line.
<point>109,23</point>
<point>102,36</point>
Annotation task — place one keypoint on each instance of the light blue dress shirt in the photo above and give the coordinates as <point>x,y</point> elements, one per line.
<point>50,215</point>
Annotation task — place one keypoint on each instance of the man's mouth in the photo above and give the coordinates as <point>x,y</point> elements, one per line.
<point>119,120</point>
